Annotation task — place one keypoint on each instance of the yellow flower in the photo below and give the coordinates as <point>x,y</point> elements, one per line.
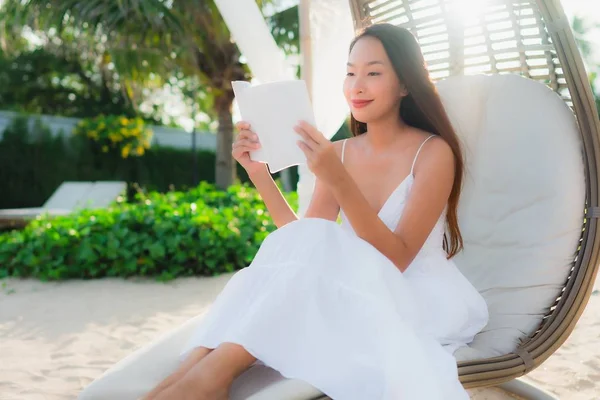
<point>93,135</point>
<point>101,126</point>
<point>124,121</point>
<point>105,149</point>
<point>125,151</point>
<point>139,150</point>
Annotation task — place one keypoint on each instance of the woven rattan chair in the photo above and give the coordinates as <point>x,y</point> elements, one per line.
<point>531,38</point>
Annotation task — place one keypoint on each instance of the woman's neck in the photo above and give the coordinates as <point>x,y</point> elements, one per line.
<point>382,134</point>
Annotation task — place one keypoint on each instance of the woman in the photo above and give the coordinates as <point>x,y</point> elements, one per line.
<point>371,309</point>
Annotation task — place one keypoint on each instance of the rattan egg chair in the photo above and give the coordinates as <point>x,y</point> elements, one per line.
<point>531,38</point>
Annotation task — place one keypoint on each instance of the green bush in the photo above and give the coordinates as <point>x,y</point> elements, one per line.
<point>199,232</point>
<point>33,163</point>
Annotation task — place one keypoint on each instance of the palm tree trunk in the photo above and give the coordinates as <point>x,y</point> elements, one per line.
<point>225,165</point>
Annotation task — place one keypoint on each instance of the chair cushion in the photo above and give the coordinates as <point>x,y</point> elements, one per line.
<point>68,195</point>
<point>522,207</point>
<point>102,194</point>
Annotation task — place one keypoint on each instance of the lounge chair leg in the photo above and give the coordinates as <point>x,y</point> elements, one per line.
<point>526,390</point>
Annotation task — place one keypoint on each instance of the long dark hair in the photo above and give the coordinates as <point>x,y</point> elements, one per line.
<point>421,108</point>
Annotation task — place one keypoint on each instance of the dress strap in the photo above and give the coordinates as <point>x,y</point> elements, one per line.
<point>417,155</point>
<point>343,149</point>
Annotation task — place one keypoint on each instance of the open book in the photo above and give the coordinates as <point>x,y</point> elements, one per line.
<point>272,110</point>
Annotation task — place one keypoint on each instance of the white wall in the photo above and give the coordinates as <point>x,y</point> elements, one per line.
<point>163,136</point>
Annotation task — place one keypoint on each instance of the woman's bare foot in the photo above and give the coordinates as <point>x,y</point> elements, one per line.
<point>202,384</point>
<point>211,378</point>
<point>194,358</point>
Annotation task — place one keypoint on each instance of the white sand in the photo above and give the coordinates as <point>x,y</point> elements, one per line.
<point>55,338</point>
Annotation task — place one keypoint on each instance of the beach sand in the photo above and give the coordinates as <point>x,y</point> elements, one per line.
<point>55,338</point>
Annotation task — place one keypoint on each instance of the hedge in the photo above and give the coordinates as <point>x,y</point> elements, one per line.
<point>201,232</point>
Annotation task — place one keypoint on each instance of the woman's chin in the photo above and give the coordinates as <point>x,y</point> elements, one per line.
<point>364,118</point>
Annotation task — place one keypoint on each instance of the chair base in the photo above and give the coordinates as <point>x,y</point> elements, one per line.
<point>526,390</point>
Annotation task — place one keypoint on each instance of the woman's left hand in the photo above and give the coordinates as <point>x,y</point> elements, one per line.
<point>320,153</point>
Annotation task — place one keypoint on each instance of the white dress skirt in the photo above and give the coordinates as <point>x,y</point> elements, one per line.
<point>322,305</point>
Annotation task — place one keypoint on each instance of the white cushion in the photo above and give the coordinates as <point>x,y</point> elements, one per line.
<point>521,216</point>
<point>102,194</point>
<point>522,207</point>
<point>68,195</point>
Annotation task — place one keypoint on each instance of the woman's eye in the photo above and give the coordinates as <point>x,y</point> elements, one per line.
<point>374,73</point>
<point>350,74</point>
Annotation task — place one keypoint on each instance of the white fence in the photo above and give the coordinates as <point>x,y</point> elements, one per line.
<point>163,136</point>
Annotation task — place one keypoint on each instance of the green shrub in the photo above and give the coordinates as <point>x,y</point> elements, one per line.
<point>199,232</point>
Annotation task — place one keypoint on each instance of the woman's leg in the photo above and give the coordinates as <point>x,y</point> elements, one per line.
<point>194,358</point>
<point>211,378</point>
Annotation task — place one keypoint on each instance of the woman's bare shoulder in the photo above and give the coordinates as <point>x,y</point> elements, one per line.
<point>437,143</point>
<point>338,144</point>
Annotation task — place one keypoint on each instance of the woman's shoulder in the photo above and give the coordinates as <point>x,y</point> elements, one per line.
<point>338,145</point>
<point>436,144</point>
<point>434,152</point>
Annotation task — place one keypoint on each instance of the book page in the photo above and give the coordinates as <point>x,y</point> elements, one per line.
<point>272,110</point>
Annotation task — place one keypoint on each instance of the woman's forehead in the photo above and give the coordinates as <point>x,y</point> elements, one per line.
<point>367,50</point>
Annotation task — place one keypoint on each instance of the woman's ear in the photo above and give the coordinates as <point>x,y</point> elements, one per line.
<point>403,90</point>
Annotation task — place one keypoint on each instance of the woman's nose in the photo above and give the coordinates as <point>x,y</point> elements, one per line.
<point>357,87</point>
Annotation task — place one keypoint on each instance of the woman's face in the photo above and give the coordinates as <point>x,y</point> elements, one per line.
<point>372,88</point>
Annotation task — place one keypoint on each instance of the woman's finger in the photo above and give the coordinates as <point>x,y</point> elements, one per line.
<point>239,151</point>
<point>247,143</point>
<point>308,152</point>
<point>241,125</point>
<point>307,139</point>
<point>312,132</point>
<point>247,135</point>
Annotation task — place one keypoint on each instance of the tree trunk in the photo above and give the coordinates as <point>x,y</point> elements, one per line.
<point>225,165</point>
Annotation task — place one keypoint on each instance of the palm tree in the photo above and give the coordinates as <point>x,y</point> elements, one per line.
<point>148,38</point>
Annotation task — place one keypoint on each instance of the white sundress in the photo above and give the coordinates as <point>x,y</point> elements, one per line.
<point>322,305</point>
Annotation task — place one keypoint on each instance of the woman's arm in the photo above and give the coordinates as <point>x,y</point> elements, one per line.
<point>434,176</point>
<point>322,204</point>
<point>280,210</point>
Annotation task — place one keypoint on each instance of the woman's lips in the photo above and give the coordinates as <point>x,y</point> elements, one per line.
<point>360,103</point>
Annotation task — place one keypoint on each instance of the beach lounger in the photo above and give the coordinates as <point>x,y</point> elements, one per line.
<point>68,197</point>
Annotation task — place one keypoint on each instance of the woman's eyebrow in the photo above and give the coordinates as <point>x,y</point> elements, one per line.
<point>369,63</point>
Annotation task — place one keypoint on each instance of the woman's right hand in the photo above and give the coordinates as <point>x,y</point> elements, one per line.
<point>245,142</point>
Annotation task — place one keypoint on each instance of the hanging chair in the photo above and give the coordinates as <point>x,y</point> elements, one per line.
<point>515,88</point>
<point>531,38</point>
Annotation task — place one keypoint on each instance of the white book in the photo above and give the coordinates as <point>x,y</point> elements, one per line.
<point>272,110</point>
